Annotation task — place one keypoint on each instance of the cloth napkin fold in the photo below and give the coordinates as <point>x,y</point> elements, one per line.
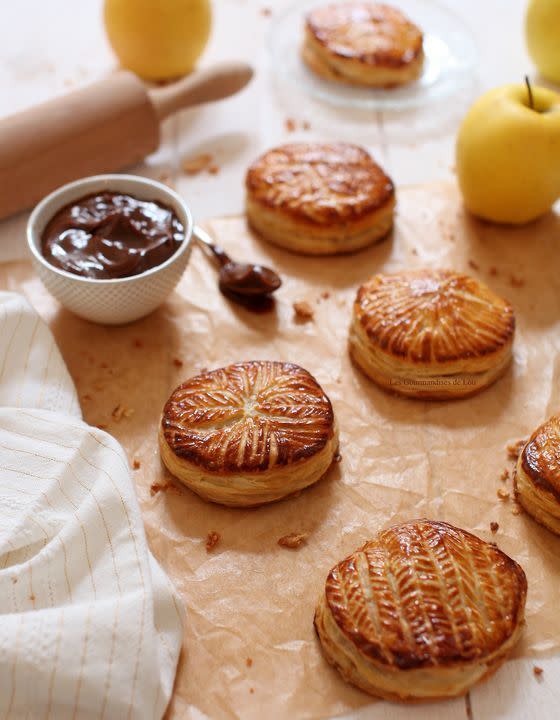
<point>90,626</point>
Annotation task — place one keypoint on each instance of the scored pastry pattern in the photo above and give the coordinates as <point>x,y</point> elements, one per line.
<point>426,593</point>
<point>371,32</point>
<point>320,182</point>
<point>248,416</point>
<point>433,315</point>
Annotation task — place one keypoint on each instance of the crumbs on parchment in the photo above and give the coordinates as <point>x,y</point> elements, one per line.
<point>303,311</point>
<point>249,662</point>
<point>198,163</point>
<point>505,475</point>
<point>503,495</point>
<point>494,527</point>
<point>293,540</point>
<point>121,411</point>
<point>156,487</point>
<point>514,449</point>
<point>537,671</point>
<point>290,124</point>
<point>136,465</point>
<point>212,539</point>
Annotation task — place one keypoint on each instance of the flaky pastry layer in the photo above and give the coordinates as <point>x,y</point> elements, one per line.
<point>412,686</point>
<point>431,333</point>
<point>250,489</point>
<point>418,380</point>
<point>248,433</point>
<point>306,239</point>
<point>323,64</point>
<point>537,475</point>
<point>421,612</point>
<point>362,43</point>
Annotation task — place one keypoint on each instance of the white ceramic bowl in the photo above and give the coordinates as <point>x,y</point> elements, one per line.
<point>110,302</point>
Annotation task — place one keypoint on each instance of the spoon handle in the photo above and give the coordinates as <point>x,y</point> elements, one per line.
<point>205,242</point>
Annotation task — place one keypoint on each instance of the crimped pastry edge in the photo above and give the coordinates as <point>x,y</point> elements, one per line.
<point>249,489</point>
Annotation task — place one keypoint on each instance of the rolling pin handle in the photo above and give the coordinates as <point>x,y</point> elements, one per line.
<point>207,85</point>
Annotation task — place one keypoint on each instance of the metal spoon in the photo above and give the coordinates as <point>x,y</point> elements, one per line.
<point>249,284</point>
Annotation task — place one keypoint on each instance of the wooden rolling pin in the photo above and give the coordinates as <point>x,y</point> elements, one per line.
<point>100,128</point>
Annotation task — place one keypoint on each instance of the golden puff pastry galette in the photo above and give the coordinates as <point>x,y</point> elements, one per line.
<point>319,198</point>
<point>248,433</point>
<point>363,43</point>
<point>434,334</point>
<point>422,612</point>
<point>537,475</point>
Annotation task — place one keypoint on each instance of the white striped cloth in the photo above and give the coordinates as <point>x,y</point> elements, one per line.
<point>90,626</point>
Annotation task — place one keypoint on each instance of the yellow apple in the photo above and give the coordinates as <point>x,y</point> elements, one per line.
<point>542,30</point>
<point>158,40</point>
<point>508,154</point>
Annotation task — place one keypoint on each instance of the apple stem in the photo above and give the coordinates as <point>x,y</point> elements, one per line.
<point>530,91</point>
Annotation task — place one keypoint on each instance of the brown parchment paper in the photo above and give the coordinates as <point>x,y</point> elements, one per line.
<point>249,642</point>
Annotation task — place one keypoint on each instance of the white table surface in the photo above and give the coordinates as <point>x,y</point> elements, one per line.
<point>49,48</point>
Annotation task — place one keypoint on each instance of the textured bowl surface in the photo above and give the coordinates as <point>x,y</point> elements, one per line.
<point>110,302</point>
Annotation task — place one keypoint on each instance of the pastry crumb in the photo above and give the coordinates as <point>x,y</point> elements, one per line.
<point>266,12</point>
<point>514,449</point>
<point>32,597</point>
<point>251,690</point>
<point>516,510</point>
<point>414,251</point>
<point>503,494</point>
<point>474,265</point>
<point>537,671</point>
<point>195,165</point>
<point>494,527</point>
<point>338,458</point>
<point>212,539</point>
<point>177,362</point>
<point>325,295</point>
<point>166,178</point>
<point>303,311</point>
<point>121,411</point>
<point>156,487</point>
<point>505,475</point>
<point>293,540</point>
<point>249,662</point>
<point>290,125</point>
<point>136,465</point>
<point>306,125</point>
<point>516,281</point>
<point>214,169</point>
<point>14,580</point>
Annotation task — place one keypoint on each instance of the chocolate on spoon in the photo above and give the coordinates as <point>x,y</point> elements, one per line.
<point>248,284</point>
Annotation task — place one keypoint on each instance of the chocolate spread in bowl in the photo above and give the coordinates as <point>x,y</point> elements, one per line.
<point>110,235</point>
